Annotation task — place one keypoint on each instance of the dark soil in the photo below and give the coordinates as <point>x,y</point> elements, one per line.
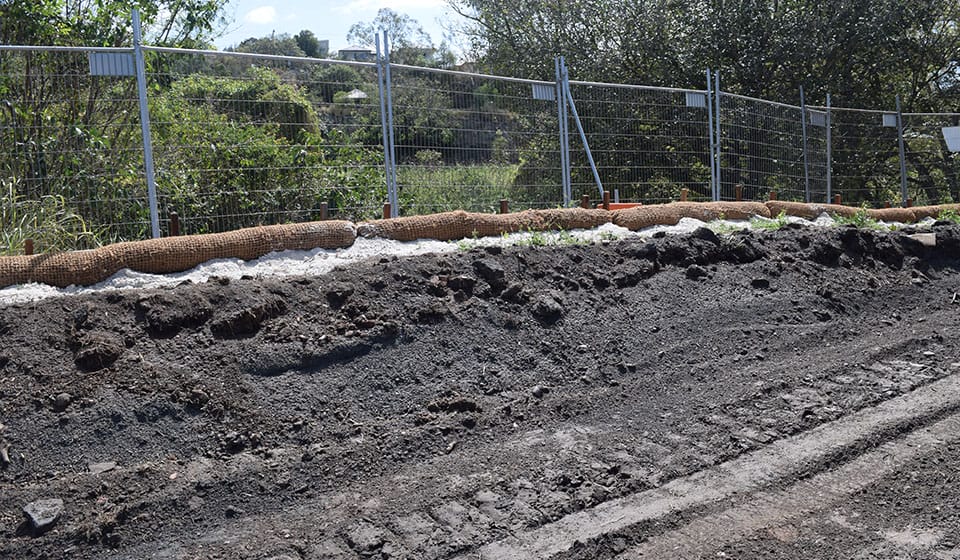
<point>417,408</point>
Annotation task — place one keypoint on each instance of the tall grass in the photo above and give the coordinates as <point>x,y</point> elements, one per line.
<point>435,188</point>
<point>48,221</point>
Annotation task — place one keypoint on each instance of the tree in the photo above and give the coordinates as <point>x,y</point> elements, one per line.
<point>281,45</point>
<point>403,31</point>
<point>310,45</point>
<point>184,23</point>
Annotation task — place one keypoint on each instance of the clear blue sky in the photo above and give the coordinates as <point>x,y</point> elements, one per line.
<point>328,19</point>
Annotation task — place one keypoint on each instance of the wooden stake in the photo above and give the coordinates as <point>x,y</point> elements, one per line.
<point>837,199</point>
<point>585,201</point>
<point>606,200</point>
<point>324,209</point>
<point>28,246</point>
<point>504,206</point>
<point>683,194</point>
<point>386,211</point>
<point>773,195</point>
<point>174,224</point>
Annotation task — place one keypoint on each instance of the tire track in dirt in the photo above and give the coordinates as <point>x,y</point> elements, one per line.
<point>815,449</point>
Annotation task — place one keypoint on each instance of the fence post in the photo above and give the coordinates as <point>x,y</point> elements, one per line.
<point>576,119</point>
<point>904,201</point>
<point>803,132</point>
<point>713,148</point>
<point>828,123</point>
<point>386,121</point>
<point>564,135</point>
<point>145,126</point>
<point>717,94</point>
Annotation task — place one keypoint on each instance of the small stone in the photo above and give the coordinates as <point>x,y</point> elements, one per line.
<point>539,391</point>
<point>195,503</point>
<point>232,511</point>
<point>62,401</point>
<point>695,271</point>
<point>100,468</point>
<point>929,354</point>
<point>42,514</point>
<point>760,283</point>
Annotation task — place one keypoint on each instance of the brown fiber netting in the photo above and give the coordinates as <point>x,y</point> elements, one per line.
<point>449,226</point>
<point>171,254</point>
<point>669,214</point>
<point>175,254</point>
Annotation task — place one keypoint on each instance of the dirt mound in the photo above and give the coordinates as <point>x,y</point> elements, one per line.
<point>421,407</point>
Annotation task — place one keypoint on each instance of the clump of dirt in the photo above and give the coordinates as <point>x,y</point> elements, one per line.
<point>416,408</point>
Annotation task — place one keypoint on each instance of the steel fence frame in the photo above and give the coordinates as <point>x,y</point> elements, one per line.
<point>441,139</point>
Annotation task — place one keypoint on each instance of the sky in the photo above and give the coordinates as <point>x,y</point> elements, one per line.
<point>328,19</point>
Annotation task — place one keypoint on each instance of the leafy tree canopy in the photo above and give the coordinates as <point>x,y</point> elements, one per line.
<point>185,23</point>
<point>862,51</point>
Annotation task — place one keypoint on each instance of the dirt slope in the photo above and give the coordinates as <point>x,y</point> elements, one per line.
<point>421,408</point>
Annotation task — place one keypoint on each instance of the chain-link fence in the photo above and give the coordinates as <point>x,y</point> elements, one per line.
<point>243,139</point>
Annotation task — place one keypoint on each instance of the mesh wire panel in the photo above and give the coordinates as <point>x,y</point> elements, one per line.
<point>71,155</point>
<point>465,141</point>
<point>866,161</point>
<point>762,150</point>
<point>243,140</point>
<point>933,171</point>
<point>647,143</point>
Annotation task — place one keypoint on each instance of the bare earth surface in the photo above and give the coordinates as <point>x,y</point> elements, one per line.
<point>789,394</point>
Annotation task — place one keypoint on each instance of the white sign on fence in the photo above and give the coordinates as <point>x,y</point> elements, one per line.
<point>111,64</point>
<point>696,99</point>
<point>544,92</point>
<point>951,134</point>
<point>818,118</point>
<point>890,120</point>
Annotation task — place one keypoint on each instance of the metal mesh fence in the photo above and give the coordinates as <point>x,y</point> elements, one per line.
<point>468,140</point>
<point>242,140</point>
<point>71,156</point>
<point>762,150</point>
<point>866,166</point>
<point>648,143</point>
<point>933,171</point>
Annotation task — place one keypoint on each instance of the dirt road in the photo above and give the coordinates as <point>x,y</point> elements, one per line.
<point>786,394</point>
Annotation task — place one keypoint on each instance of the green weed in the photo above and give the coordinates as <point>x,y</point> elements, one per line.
<point>770,224</point>
<point>949,215</point>
<point>861,220</point>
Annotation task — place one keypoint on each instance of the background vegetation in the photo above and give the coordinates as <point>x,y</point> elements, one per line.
<point>240,143</point>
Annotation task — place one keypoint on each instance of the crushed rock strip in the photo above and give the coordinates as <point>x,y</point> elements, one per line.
<point>748,473</point>
<point>818,493</point>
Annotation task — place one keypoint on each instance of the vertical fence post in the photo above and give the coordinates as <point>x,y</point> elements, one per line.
<point>388,81</point>
<point>903,158</point>
<point>717,94</point>
<point>803,132</point>
<point>828,123</point>
<point>713,148</point>
<point>576,119</point>
<point>145,126</point>
<point>386,121</point>
<point>564,135</point>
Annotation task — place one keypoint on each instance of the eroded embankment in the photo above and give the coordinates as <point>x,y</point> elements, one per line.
<point>426,407</point>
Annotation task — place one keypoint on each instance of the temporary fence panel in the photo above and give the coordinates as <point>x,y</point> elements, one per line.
<point>243,140</point>
<point>648,143</point>
<point>763,151</point>
<point>933,170</point>
<point>866,164</point>
<point>71,156</point>
<point>466,141</point>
